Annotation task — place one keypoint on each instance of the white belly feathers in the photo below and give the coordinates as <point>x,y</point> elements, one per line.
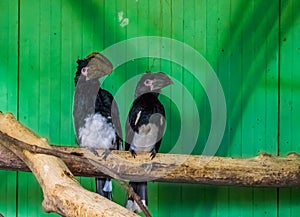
<point>97,133</point>
<point>146,138</point>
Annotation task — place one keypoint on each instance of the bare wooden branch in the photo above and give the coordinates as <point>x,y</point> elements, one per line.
<point>264,170</point>
<point>62,193</point>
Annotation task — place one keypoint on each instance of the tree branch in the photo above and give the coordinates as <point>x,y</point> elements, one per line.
<point>60,188</point>
<point>17,142</point>
<point>263,170</point>
<point>62,193</point>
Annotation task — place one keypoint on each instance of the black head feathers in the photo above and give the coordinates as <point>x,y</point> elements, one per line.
<point>94,66</point>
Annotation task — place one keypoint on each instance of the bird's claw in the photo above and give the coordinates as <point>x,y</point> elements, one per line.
<point>94,151</point>
<point>105,154</point>
<point>153,154</point>
<point>133,153</point>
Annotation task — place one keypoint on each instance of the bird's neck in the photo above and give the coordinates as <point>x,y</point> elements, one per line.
<point>138,94</point>
<point>147,94</point>
<point>86,91</point>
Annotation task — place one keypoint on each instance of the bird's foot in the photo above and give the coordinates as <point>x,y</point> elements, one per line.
<point>106,153</point>
<point>153,154</point>
<point>133,153</point>
<point>94,151</point>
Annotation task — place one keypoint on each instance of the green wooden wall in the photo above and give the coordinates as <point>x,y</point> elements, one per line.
<point>253,46</point>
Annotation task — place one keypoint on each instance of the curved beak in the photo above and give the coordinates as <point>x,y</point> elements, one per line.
<point>98,66</point>
<point>161,81</point>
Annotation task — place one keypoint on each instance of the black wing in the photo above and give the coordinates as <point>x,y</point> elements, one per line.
<point>107,107</point>
<point>145,109</point>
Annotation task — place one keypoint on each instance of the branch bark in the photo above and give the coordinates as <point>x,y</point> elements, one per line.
<point>62,193</point>
<point>263,170</point>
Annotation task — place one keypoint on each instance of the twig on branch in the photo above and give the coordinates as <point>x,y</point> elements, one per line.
<point>136,197</point>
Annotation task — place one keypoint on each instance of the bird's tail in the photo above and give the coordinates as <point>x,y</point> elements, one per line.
<point>104,187</point>
<point>140,188</point>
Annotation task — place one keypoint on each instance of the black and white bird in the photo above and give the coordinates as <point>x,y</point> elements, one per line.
<point>145,126</point>
<point>95,113</point>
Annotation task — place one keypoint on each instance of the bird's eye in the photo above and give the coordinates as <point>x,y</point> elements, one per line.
<point>84,71</point>
<point>148,82</point>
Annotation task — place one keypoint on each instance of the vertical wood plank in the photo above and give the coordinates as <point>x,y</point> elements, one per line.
<point>289,97</point>
<point>40,87</point>
<point>193,198</point>
<point>29,193</point>
<point>9,94</point>
<point>265,200</point>
<point>223,72</point>
<point>259,46</point>
<point>155,23</point>
<point>170,195</point>
<point>164,191</point>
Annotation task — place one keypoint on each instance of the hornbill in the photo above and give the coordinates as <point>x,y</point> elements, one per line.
<point>95,113</point>
<point>145,126</point>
